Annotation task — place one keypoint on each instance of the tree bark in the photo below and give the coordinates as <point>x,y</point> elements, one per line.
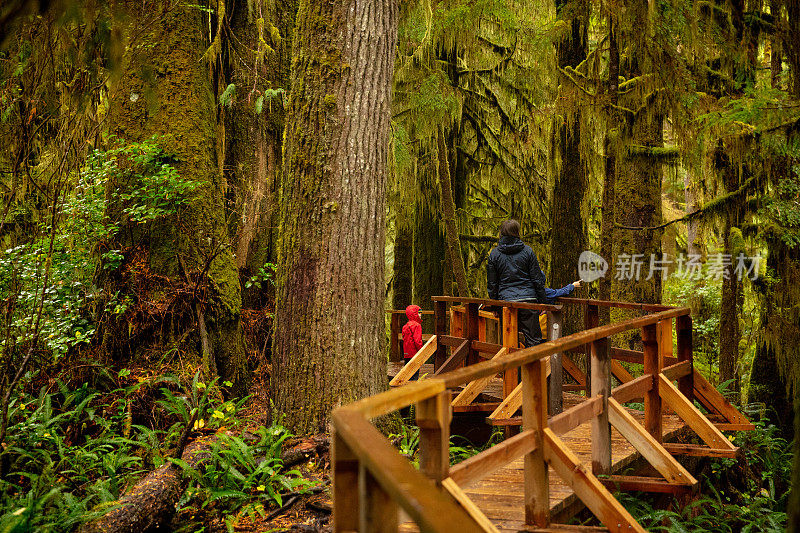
<point>402,276</point>
<point>638,204</point>
<point>610,168</point>
<point>568,234</point>
<point>449,214</point>
<point>165,89</point>
<point>329,324</point>
<point>254,140</point>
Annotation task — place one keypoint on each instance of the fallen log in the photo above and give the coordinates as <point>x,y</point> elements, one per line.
<point>150,504</point>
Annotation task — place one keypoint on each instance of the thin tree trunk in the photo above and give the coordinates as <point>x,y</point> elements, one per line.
<point>610,175</point>
<point>449,214</point>
<point>329,319</point>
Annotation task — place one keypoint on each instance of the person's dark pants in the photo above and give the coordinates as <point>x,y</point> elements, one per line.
<point>528,325</point>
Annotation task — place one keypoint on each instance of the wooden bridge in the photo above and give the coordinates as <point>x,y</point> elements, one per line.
<point>555,465</point>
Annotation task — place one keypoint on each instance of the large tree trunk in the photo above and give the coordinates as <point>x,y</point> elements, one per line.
<point>568,237</point>
<point>254,139</point>
<point>165,89</point>
<point>329,319</point>
<point>638,204</point>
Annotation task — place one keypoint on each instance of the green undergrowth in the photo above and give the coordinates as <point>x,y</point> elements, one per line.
<point>72,452</point>
<point>748,494</point>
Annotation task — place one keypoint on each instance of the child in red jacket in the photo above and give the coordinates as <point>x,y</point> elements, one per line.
<point>412,335</point>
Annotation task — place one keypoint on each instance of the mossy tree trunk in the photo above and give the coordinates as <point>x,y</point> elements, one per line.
<point>610,163</point>
<point>165,88</point>
<point>254,126</point>
<point>454,255</point>
<point>329,325</point>
<point>571,183</point>
<point>638,204</point>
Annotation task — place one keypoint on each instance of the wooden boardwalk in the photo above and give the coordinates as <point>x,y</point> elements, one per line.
<point>555,465</point>
<point>500,496</point>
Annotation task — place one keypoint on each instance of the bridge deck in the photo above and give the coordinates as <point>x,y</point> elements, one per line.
<point>500,496</point>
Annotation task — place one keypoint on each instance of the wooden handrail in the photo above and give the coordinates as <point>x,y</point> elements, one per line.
<point>416,494</point>
<point>534,353</point>
<point>498,303</point>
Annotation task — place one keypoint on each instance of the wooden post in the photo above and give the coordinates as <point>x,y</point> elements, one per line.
<point>601,429</point>
<point>590,320</point>
<point>396,345</point>
<point>652,399</point>
<point>440,329</point>
<point>378,510</point>
<point>511,341</point>
<point>471,331</point>
<point>534,417</point>
<point>556,397</point>
<point>345,487</point>
<point>433,419</point>
<point>683,326</point>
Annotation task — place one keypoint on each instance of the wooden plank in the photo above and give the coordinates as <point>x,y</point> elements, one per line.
<point>345,480</point>
<point>534,419</point>
<point>474,388</point>
<point>715,401</point>
<point>575,416</point>
<point>433,418</point>
<point>601,387</point>
<point>510,341</point>
<point>619,371</point>
<point>633,389</point>
<point>456,359</point>
<point>652,366</point>
<point>724,426</point>
<point>498,303</point>
<point>424,502</point>
<point>476,407</point>
<point>692,416</point>
<point>513,401</point>
<point>486,347</point>
<point>678,370</point>
<point>573,370</point>
<point>587,487</point>
<point>415,363</point>
<point>440,329</point>
<point>555,398</point>
<point>378,510</point>
<point>650,449</point>
<point>471,331</point>
<point>683,328</point>
<point>700,451</point>
<point>644,484</point>
<point>636,357</point>
<point>591,320</point>
<point>397,398</point>
<point>476,467</point>
<point>455,491</point>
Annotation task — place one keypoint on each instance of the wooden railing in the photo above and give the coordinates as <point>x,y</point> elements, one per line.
<point>372,480</point>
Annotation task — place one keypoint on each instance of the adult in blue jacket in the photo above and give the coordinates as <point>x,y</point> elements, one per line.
<point>514,274</point>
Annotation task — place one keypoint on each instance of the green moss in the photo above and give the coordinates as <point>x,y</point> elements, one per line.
<point>330,100</point>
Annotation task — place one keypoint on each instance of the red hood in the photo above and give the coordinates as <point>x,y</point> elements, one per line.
<point>412,312</point>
